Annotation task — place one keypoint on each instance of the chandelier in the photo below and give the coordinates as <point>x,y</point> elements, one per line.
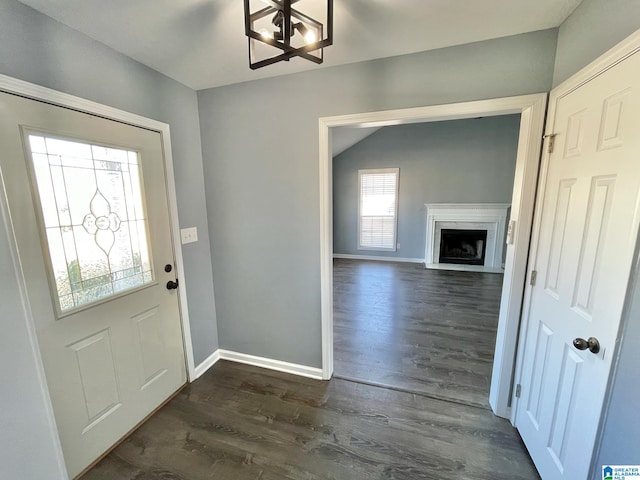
<point>278,32</point>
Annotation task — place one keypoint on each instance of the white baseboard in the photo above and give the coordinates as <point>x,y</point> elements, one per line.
<point>209,362</point>
<point>271,364</point>
<point>378,258</point>
<point>280,366</point>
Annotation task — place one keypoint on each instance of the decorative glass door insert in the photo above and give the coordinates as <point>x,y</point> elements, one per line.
<point>93,215</point>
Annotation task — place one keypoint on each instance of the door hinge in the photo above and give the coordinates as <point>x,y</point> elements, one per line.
<point>534,276</point>
<point>518,390</point>
<point>551,143</point>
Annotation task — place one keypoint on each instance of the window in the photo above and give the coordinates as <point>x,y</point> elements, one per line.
<point>377,209</point>
<point>93,213</point>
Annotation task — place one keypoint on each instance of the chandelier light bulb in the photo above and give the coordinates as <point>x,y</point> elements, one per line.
<point>310,36</point>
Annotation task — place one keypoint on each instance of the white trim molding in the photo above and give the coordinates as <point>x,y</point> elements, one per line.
<point>209,362</point>
<point>378,258</point>
<point>532,110</point>
<point>491,217</point>
<point>268,363</point>
<point>262,362</point>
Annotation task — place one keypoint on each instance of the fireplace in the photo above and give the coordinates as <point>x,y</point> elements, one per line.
<point>475,234</point>
<point>465,247</point>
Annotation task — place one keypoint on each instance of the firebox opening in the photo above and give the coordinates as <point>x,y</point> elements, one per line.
<point>463,246</point>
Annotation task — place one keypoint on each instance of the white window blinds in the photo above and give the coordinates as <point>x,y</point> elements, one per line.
<point>378,206</point>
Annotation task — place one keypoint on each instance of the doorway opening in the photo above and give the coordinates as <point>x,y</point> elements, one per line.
<point>531,108</point>
<point>399,323</point>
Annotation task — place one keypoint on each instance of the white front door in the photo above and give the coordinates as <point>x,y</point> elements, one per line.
<point>87,198</point>
<point>585,243</point>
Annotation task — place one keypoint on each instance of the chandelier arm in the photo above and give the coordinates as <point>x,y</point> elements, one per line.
<point>281,57</point>
<point>278,4</point>
<point>287,48</point>
<point>287,22</point>
<point>266,11</point>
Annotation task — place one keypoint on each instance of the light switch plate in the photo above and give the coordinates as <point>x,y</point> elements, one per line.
<point>189,235</point>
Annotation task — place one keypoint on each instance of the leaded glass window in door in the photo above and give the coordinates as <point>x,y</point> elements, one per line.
<point>92,209</point>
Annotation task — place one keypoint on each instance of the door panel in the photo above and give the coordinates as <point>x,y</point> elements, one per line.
<point>563,404</point>
<point>585,242</point>
<point>150,345</point>
<point>92,192</point>
<point>97,376</point>
<point>540,372</point>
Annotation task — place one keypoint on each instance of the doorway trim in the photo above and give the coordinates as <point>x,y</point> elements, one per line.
<point>532,110</point>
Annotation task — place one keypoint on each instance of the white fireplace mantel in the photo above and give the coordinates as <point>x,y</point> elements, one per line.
<point>491,217</point>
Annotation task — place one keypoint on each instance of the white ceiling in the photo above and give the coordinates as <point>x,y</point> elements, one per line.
<point>201,43</point>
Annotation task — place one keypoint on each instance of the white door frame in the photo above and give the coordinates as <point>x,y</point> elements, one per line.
<point>37,92</point>
<point>532,110</point>
<point>623,50</point>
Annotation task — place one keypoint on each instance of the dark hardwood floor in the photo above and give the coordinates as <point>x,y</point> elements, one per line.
<point>429,332</point>
<point>244,423</point>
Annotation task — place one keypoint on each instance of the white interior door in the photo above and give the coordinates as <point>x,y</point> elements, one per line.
<point>87,198</point>
<point>585,242</point>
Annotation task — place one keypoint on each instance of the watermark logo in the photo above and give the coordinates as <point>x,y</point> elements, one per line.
<point>621,472</point>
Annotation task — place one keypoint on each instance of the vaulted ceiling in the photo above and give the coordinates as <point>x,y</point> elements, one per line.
<point>201,43</point>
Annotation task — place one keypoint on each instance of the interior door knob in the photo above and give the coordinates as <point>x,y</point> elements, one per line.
<point>171,285</point>
<point>591,343</point>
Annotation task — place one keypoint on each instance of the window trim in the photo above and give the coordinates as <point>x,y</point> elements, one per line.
<point>366,171</point>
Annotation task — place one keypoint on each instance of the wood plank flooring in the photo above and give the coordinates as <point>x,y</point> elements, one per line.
<point>245,423</point>
<point>425,331</point>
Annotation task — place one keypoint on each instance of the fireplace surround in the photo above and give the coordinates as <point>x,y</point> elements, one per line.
<point>476,217</point>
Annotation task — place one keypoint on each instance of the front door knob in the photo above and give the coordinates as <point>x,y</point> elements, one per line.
<point>592,344</point>
<point>171,285</point>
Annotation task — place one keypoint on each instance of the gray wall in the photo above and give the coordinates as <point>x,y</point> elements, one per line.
<point>462,161</point>
<point>37,49</point>
<point>593,28</point>
<point>260,152</point>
